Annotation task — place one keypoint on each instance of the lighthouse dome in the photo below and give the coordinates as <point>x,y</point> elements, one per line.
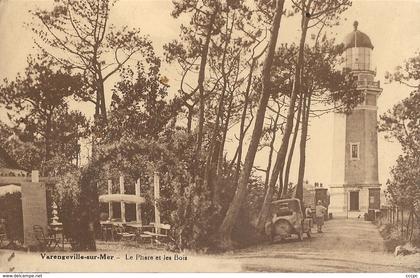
<point>357,39</point>
<point>358,50</point>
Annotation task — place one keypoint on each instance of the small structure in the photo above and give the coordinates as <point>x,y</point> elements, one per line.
<point>33,190</point>
<point>34,202</point>
<point>123,199</point>
<point>312,193</point>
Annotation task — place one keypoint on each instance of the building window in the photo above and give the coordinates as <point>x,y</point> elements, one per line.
<point>370,99</point>
<point>354,151</point>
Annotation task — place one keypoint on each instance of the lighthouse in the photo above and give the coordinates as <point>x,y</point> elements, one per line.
<point>355,187</point>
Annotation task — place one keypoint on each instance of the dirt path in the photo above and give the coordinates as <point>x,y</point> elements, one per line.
<point>345,246</point>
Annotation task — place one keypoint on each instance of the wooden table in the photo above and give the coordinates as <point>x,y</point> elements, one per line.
<point>139,226</point>
<point>141,233</point>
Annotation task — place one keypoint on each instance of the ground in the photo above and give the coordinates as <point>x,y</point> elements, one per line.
<point>345,246</point>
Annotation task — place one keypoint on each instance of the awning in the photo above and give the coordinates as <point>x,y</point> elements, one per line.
<point>9,189</point>
<point>126,198</point>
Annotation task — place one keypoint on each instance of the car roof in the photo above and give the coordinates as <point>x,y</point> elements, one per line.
<point>285,200</point>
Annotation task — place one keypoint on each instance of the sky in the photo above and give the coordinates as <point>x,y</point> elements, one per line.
<point>393,27</point>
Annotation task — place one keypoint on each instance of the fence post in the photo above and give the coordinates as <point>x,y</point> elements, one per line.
<point>35,176</point>
<point>393,215</point>
<point>156,183</point>
<point>390,215</point>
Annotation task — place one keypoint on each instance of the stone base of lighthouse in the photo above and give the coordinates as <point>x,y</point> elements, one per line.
<point>353,201</point>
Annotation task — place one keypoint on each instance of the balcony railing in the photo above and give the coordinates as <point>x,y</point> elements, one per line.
<point>368,84</point>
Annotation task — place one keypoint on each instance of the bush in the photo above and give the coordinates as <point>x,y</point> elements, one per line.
<point>392,237</point>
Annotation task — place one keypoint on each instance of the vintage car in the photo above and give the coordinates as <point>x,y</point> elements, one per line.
<point>287,218</point>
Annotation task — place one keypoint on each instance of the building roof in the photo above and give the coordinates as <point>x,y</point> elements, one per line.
<point>357,39</point>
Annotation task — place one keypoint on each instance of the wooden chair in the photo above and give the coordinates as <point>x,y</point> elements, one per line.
<point>144,238</point>
<point>121,232</point>
<point>160,233</point>
<point>3,237</point>
<point>126,234</point>
<point>107,232</point>
<point>45,242</point>
<point>57,232</point>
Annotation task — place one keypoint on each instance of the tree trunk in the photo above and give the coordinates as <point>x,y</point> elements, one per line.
<point>412,224</point>
<point>402,222</point>
<point>102,96</point>
<point>242,188</point>
<point>48,131</point>
<point>201,78</point>
<point>243,118</point>
<point>225,130</point>
<point>281,155</point>
<point>89,210</point>
<point>393,215</point>
<point>407,231</point>
<point>242,129</point>
<point>303,140</point>
<point>189,118</point>
<point>100,107</point>
<point>212,160</point>
<point>270,155</point>
<point>292,147</point>
<point>281,185</point>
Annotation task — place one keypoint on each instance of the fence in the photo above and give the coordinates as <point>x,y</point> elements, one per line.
<point>404,220</point>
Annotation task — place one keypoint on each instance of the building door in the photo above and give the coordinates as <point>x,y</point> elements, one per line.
<point>354,200</point>
<point>374,198</point>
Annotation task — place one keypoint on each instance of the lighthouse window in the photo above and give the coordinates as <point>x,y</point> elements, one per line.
<point>358,58</point>
<point>354,151</point>
<point>363,58</point>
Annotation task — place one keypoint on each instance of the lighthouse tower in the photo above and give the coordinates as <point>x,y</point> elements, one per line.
<point>355,187</point>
